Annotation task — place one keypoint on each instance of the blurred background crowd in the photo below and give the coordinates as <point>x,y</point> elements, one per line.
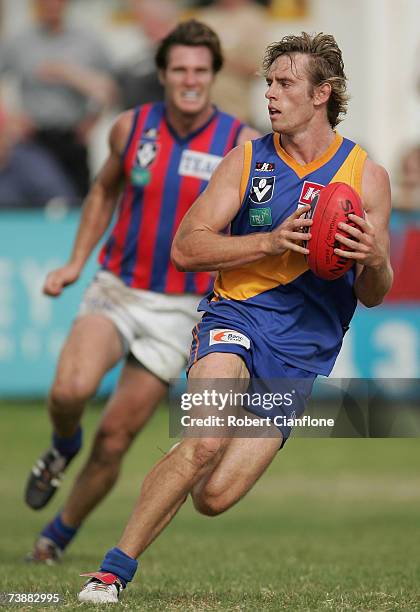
<point>68,67</point>
<point>61,76</point>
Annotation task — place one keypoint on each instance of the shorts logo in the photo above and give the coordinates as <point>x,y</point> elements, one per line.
<point>146,154</point>
<point>262,189</point>
<point>309,191</point>
<point>265,167</point>
<point>229,336</point>
<point>260,216</point>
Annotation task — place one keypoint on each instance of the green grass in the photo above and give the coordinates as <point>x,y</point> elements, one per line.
<point>333,525</point>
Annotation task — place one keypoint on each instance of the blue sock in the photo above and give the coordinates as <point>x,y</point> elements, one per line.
<point>59,533</point>
<point>118,563</point>
<point>68,446</point>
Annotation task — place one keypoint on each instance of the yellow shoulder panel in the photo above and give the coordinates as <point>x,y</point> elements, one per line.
<point>246,167</point>
<point>352,169</point>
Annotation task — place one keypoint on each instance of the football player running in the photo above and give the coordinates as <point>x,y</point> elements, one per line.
<point>268,316</point>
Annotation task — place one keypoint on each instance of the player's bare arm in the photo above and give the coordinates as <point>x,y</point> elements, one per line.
<point>199,244</point>
<point>370,241</point>
<point>97,210</point>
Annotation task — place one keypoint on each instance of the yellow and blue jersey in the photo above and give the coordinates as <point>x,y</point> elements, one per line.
<point>302,318</point>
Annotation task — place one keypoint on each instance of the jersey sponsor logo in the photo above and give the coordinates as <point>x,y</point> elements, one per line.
<point>262,189</point>
<point>198,165</point>
<point>229,336</point>
<point>146,154</point>
<point>265,167</point>
<point>309,192</point>
<point>260,216</point>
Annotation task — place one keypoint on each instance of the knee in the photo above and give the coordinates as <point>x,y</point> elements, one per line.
<point>210,503</point>
<point>66,392</point>
<point>110,445</point>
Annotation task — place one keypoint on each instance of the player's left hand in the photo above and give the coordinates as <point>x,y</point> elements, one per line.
<point>364,246</point>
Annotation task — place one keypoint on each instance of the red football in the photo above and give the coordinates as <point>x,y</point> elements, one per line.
<point>331,206</point>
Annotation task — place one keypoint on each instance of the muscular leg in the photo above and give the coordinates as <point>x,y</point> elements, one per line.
<point>92,348</point>
<point>235,475</point>
<point>173,478</point>
<point>128,410</point>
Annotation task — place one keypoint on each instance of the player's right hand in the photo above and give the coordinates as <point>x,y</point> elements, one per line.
<point>60,278</point>
<point>291,233</point>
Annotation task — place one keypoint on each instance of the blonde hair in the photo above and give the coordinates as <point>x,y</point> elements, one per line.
<point>325,65</point>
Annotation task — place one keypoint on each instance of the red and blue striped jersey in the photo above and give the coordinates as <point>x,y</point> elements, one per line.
<point>164,175</point>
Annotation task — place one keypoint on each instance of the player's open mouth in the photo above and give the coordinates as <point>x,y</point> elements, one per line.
<point>190,95</point>
<point>273,111</point>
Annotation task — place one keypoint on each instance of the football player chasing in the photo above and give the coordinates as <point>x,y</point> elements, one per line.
<point>139,308</point>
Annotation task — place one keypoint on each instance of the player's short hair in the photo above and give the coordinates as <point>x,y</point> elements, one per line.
<point>190,33</point>
<point>325,65</point>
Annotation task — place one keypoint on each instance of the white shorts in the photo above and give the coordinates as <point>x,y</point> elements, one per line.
<point>155,327</point>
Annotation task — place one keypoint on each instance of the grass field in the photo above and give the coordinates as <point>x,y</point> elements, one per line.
<point>333,525</point>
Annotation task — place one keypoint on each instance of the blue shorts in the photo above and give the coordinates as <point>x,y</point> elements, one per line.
<point>269,373</point>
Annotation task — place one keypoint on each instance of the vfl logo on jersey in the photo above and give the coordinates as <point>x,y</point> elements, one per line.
<point>198,165</point>
<point>262,189</point>
<point>309,192</point>
<point>265,167</point>
<point>146,154</point>
<point>229,336</point>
